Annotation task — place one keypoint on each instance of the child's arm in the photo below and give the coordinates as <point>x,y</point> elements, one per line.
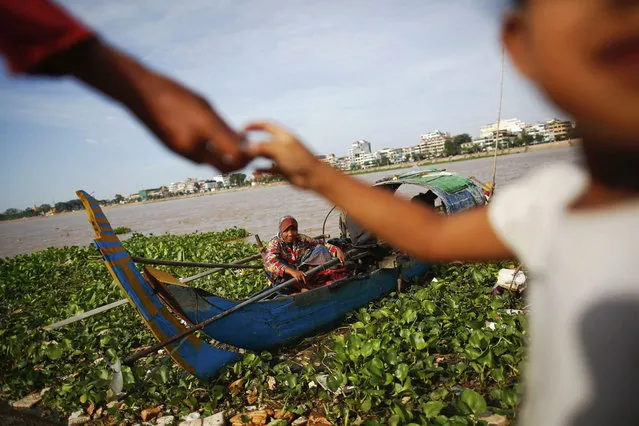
<point>408,226</point>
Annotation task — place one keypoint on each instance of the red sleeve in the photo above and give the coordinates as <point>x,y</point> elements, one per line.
<point>33,30</point>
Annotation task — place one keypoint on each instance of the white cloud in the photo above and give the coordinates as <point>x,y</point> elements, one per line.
<point>332,71</point>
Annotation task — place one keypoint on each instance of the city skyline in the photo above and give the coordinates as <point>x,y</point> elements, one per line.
<point>384,75</point>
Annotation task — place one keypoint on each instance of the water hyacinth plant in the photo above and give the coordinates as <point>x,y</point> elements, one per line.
<point>444,352</point>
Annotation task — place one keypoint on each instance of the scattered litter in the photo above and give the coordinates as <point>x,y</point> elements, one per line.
<point>511,279</point>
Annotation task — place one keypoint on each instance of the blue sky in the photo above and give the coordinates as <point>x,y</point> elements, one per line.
<point>333,71</point>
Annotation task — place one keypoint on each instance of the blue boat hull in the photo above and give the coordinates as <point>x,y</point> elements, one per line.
<point>268,324</point>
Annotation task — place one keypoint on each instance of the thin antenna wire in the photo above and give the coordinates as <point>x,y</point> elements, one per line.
<point>501,99</point>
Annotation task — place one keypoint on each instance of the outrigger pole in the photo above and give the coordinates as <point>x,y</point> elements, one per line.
<point>121,302</point>
<point>145,261</point>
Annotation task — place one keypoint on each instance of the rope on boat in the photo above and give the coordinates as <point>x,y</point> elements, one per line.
<point>145,261</point>
<point>501,99</point>
<point>326,218</point>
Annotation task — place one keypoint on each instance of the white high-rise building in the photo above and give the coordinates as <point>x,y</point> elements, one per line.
<point>359,147</point>
<point>512,125</point>
<point>360,153</point>
<point>433,143</point>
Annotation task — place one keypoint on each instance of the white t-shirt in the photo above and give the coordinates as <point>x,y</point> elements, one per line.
<point>584,323</point>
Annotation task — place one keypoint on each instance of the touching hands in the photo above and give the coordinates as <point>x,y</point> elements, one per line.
<point>292,159</point>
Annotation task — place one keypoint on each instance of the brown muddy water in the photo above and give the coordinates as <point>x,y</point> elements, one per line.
<point>257,209</point>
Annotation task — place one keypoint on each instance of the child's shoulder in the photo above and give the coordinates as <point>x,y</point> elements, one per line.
<point>555,185</point>
<point>523,213</point>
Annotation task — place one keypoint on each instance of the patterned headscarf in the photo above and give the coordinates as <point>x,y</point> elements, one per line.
<point>286,222</point>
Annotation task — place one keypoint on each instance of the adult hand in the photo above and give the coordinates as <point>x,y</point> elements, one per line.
<point>292,159</point>
<point>187,125</point>
<point>339,253</point>
<point>298,275</point>
<point>180,118</point>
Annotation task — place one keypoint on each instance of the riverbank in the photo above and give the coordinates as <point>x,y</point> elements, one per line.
<point>453,159</point>
<point>465,157</point>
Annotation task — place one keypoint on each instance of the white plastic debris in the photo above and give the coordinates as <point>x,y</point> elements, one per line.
<point>511,279</point>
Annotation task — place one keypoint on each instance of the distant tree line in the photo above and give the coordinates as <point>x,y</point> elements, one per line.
<point>42,209</point>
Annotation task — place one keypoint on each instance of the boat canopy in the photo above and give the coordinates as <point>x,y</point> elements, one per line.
<point>457,193</point>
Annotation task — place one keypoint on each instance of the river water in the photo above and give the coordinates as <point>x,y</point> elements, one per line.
<point>257,209</point>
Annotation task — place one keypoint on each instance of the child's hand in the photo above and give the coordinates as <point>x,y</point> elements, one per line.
<point>292,159</point>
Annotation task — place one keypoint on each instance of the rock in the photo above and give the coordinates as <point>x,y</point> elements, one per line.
<point>236,386</point>
<point>270,382</point>
<point>113,404</point>
<point>300,421</point>
<point>192,419</point>
<point>28,401</point>
<point>216,419</point>
<point>150,413</point>
<point>254,418</point>
<point>281,414</point>
<point>165,420</point>
<point>78,418</point>
<point>91,409</point>
<point>317,420</point>
<point>251,396</point>
<point>258,417</point>
<point>495,420</point>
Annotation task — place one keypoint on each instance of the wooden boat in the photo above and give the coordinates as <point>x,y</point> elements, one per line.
<point>169,307</point>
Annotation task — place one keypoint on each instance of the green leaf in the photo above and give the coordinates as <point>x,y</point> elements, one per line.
<point>409,316</point>
<point>429,306</point>
<point>486,359</point>
<point>498,374</point>
<point>366,405</point>
<point>164,371</point>
<point>394,420</point>
<point>367,350</point>
<point>401,372</point>
<point>432,408</point>
<point>476,338</point>
<point>474,401</point>
<point>291,380</point>
<point>510,398</point>
<point>54,351</point>
<point>391,357</point>
<point>376,367</point>
<point>417,340</point>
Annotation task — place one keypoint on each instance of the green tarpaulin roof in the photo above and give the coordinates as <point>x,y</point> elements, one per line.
<point>446,181</point>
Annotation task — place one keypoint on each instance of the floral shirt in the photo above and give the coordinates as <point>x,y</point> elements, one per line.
<point>280,254</point>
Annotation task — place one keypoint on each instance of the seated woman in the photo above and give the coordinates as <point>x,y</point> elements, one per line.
<point>291,251</point>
